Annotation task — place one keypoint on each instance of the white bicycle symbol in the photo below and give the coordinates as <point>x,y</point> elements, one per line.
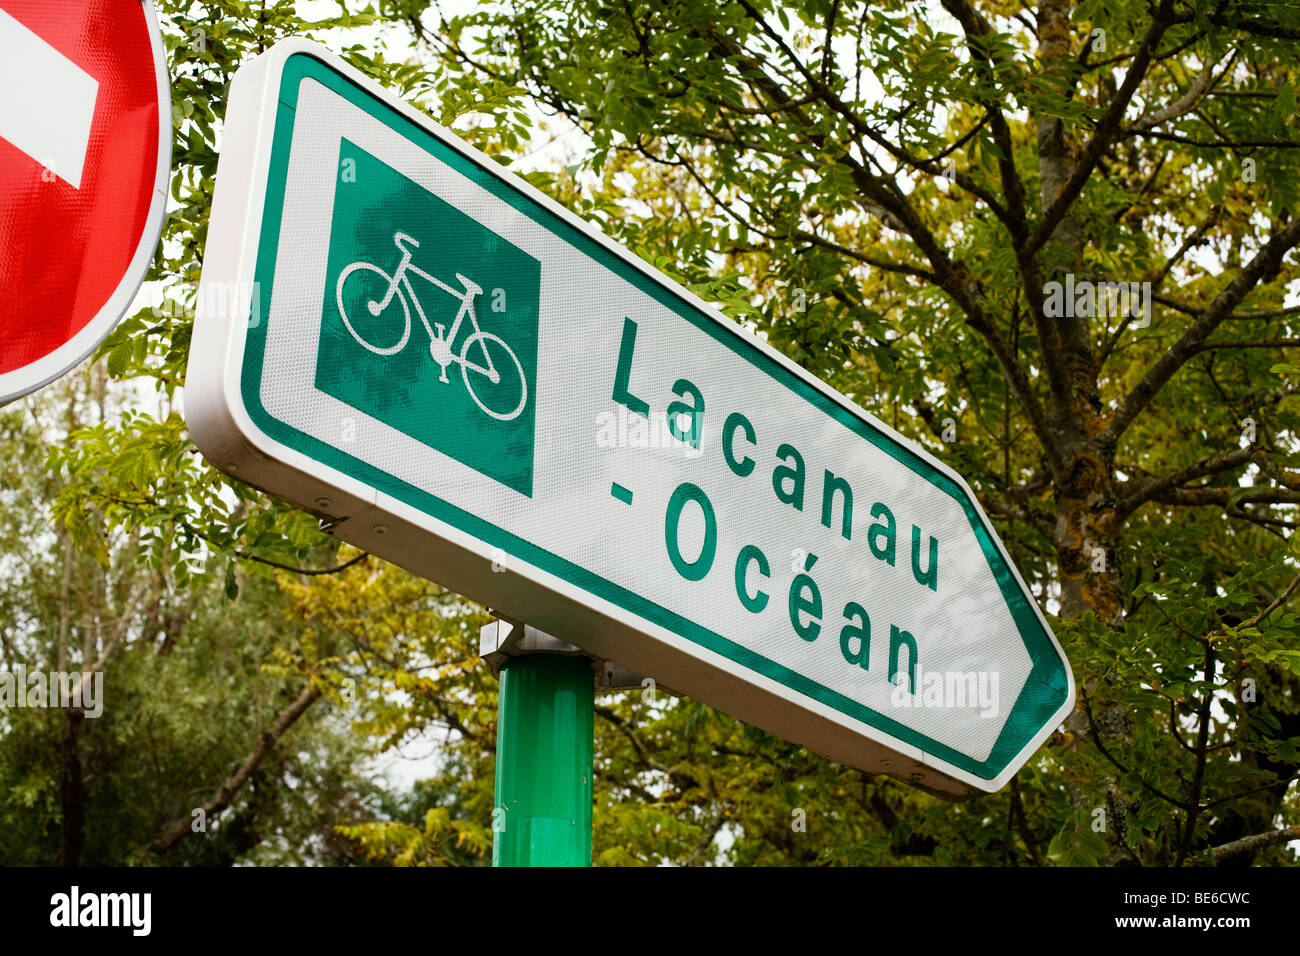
<point>440,342</point>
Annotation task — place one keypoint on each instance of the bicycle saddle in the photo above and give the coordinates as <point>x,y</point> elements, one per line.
<point>471,287</point>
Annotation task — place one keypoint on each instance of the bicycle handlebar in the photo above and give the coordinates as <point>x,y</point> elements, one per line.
<point>472,288</point>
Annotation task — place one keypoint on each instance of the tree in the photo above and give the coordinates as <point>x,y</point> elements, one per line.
<point>190,686</point>
<point>898,196</point>
<point>227,730</point>
<point>906,194</point>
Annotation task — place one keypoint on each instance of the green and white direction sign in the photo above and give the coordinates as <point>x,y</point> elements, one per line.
<point>457,374</point>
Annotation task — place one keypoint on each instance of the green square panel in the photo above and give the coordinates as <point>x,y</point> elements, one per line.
<point>390,343</point>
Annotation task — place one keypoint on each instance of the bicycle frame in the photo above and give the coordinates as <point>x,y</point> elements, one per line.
<point>466,296</point>
<point>440,342</point>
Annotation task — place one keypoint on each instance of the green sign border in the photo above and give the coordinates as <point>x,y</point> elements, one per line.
<point>1047,686</point>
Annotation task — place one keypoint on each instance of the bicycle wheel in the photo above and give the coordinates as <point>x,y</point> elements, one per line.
<point>510,381</point>
<point>364,295</point>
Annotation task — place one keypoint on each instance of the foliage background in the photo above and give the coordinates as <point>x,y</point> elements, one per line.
<point>881,190</point>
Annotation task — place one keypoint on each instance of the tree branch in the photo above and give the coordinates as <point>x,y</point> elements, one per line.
<point>172,832</point>
<point>1202,757</point>
<point>1196,92</point>
<point>1150,490</point>
<point>1108,128</point>
<point>1266,261</point>
<point>309,571</point>
<point>1255,842</point>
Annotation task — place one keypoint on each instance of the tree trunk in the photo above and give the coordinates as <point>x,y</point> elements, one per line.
<point>72,791</point>
<point>1086,532</point>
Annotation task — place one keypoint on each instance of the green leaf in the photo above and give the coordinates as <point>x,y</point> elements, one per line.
<point>1286,101</point>
<point>119,358</point>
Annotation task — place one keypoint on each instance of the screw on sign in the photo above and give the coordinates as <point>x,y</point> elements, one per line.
<point>85,152</point>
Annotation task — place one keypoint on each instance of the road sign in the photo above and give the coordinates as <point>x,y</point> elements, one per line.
<point>85,152</point>
<point>457,374</point>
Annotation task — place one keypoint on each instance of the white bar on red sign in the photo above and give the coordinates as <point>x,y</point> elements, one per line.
<point>51,121</point>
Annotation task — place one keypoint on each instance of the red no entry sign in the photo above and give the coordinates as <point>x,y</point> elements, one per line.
<point>85,152</point>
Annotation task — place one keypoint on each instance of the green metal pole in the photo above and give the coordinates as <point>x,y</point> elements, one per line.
<point>544,760</point>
